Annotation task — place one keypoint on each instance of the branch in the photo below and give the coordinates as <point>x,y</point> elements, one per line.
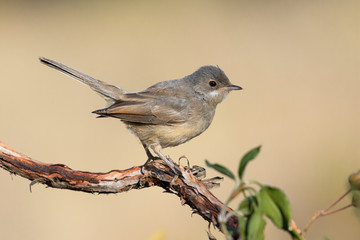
<point>191,189</point>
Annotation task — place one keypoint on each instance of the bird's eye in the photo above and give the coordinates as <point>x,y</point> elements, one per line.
<point>212,83</point>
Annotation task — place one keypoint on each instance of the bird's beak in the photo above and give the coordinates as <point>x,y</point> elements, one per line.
<point>233,87</point>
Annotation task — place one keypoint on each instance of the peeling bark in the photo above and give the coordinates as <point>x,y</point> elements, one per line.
<point>190,187</point>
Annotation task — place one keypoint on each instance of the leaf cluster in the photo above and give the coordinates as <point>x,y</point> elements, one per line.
<point>259,202</point>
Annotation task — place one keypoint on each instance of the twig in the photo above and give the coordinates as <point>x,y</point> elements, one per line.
<point>326,212</point>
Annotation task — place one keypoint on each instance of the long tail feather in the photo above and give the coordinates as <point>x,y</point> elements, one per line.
<point>109,92</point>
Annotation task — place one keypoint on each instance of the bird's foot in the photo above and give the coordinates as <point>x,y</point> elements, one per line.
<point>143,167</point>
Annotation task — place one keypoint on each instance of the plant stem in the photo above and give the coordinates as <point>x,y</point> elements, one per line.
<point>326,212</point>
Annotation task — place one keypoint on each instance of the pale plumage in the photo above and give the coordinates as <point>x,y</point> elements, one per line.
<point>166,114</point>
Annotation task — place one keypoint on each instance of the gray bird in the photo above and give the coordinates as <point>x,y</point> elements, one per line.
<point>166,114</point>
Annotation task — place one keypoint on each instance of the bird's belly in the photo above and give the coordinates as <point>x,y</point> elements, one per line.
<point>168,135</point>
<point>171,136</point>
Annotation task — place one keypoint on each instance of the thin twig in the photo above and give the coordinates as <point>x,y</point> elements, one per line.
<point>326,212</point>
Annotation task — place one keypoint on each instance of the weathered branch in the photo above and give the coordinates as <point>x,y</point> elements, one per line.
<point>191,190</point>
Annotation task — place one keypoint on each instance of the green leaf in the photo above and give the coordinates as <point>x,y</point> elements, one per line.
<point>242,226</point>
<point>221,169</point>
<point>280,200</point>
<point>295,235</point>
<point>256,226</point>
<point>246,159</point>
<point>247,205</point>
<point>270,209</point>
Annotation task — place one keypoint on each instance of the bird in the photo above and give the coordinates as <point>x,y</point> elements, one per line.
<point>166,114</point>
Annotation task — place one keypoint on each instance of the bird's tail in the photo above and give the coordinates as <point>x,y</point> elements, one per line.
<point>109,92</point>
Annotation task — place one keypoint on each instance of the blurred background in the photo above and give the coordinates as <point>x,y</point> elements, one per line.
<point>298,64</point>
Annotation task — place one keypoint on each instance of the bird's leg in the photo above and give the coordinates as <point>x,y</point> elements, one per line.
<point>150,158</point>
<point>148,153</point>
<point>157,149</point>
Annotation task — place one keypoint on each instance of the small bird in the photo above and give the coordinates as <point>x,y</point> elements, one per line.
<point>167,113</point>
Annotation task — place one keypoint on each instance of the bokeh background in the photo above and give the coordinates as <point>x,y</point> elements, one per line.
<point>298,64</point>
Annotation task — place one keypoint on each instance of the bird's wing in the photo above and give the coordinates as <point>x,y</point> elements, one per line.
<point>109,92</point>
<point>148,108</point>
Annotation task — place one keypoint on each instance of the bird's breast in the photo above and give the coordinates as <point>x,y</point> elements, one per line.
<point>174,134</point>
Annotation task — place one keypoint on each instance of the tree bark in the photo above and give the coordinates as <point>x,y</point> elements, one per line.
<point>189,186</point>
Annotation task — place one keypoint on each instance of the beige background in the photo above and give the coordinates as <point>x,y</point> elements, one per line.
<point>298,62</point>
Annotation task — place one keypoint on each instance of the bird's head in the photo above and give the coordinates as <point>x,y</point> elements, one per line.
<point>212,84</point>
